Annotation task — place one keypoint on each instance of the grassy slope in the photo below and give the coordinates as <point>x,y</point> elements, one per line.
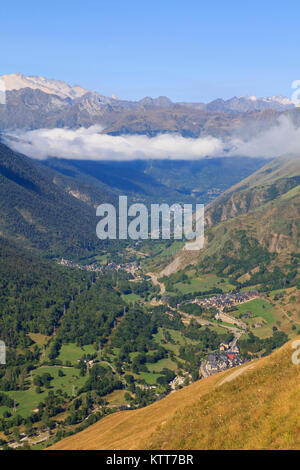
<point>266,205</point>
<point>273,180</point>
<point>259,409</point>
<point>272,171</point>
<point>259,308</point>
<point>275,225</point>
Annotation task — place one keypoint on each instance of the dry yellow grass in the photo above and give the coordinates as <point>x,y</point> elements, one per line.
<point>125,429</point>
<point>258,409</point>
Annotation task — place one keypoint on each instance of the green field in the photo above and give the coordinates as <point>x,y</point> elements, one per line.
<point>171,250</point>
<point>39,339</point>
<point>258,308</point>
<point>116,398</point>
<point>131,298</point>
<point>158,366</point>
<point>177,336</point>
<point>132,354</point>
<point>203,283</point>
<point>28,400</point>
<point>71,352</point>
<point>149,378</point>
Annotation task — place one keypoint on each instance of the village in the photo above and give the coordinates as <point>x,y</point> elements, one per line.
<point>225,302</point>
<point>228,355</point>
<point>225,359</point>
<point>131,268</point>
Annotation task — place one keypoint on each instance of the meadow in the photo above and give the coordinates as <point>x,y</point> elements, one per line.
<point>258,308</point>
<point>27,400</point>
<point>204,282</point>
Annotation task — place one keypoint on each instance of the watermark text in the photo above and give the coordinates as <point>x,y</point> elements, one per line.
<point>161,222</point>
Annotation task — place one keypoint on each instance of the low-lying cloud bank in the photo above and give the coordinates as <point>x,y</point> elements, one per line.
<point>279,140</point>
<point>90,144</point>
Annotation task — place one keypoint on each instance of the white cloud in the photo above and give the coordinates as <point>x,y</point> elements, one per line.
<point>90,144</point>
<point>282,139</point>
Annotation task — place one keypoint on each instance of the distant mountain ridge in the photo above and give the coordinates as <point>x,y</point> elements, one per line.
<point>36,102</point>
<point>18,81</point>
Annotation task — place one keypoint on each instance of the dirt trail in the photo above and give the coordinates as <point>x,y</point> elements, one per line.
<point>154,278</point>
<point>235,374</point>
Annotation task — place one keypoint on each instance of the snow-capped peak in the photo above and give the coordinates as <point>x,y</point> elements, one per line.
<point>271,99</point>
<point>17,81</point>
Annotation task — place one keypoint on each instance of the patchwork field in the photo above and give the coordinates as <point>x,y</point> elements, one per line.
<point>28,400</point>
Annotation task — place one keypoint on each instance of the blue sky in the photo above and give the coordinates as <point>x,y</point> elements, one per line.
<point>188,50</point>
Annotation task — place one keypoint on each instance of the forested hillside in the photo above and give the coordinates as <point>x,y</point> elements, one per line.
<point>34,293</point>
<point>162,180</point>
<point>44,210</point>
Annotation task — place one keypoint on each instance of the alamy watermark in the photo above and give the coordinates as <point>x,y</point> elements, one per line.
<point>2,353</point>
<point>161,222</point>
<point>2,92</point>
<point>296,354</point>
<point>296,94</point>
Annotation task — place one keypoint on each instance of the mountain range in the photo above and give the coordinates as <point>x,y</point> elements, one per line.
<point>37,102</point>
<point>237,191</point>
<point>61,89</point>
